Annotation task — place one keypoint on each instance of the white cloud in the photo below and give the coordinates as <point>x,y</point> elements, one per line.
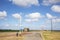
<point>7,25</point>
<point>33,17</point>
<point>55,8</point>
<point>3,14</point>
<point>31,20</point>
<point>16,15</point>
<point>12,25</point>
<point>28,20</point>
<point>18,25</point>
<point>25,2</point>
<point>49,16</point>
<point>56,20</point>
<point>50,2</point>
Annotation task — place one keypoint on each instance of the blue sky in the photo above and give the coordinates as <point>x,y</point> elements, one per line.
<point>33,14</point>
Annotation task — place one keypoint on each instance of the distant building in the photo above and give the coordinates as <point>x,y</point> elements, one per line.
<point>26,29</point>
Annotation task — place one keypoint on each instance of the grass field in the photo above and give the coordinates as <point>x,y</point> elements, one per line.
<point>54,35</point>
<point>10,36</point>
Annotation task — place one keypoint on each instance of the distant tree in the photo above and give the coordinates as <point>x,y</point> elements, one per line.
<point>26,30</point>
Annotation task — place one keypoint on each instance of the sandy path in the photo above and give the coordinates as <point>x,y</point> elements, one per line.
<point>33,36</point>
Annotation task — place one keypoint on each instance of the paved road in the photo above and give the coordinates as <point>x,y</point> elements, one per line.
<point>33,36</point>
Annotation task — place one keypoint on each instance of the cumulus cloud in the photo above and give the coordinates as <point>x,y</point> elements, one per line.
<point>16,15</point>
<point>49,16</point>
<point>3,14</point>
<point>25,2</point>
<point>50,2</point>
<point>33,17</point>
<point>55,8</point>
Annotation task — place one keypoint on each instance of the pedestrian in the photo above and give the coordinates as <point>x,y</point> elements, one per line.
<point>17,34</point>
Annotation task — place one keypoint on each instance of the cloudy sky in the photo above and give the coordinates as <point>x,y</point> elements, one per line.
<point>33,14</point>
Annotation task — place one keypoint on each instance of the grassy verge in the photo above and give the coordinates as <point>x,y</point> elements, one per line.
<point>54,35</point>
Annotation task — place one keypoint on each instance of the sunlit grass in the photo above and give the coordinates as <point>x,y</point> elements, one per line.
<point>48,35</point>
<point>10,36</point>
